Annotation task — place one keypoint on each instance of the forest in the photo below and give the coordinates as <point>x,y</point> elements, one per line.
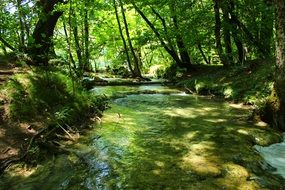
<point>142,94</point>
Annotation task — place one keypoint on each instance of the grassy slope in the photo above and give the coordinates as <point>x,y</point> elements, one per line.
<point>250,84</point>
<point>44,102</point>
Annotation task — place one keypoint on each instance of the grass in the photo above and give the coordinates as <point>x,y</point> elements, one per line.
<point>43,106</point>
<point>251,83</point>
<point>49,95</point>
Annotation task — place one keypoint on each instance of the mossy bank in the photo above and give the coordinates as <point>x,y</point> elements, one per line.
<point>41,108</point>
<point>250,84</point>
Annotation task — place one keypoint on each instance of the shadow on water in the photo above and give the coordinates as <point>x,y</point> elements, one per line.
<point>182,142</point>
<point>161,142</point>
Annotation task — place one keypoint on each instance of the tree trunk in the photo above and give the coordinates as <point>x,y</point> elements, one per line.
<point>69,46</point>
<point>137,71</point>
<point>77,45</point>
<point>165,29</point>
<point>218,26</point>
<point>123,38</point>
<point>170,51</point>
<point>39,47</point>
<point>74,30</point>
<point>22,26</point>
<point>278,95</point>
<point>203,54</point>
<point>239,45</point>
<point>227,35</point>
<point>87,65</point>
<point>254,41</point>
<point>237,39</point>
<point>184,56</point>
<point>266,28</point>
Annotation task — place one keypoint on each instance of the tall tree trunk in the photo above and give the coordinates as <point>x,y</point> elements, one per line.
<point>39,47</point>
<point>218,25</point>
<point>184,56</point>
<point>168,49</point>
<point>237,39</point>
<point>69,46</point>
<point>137,71</point>
<point>227,35</point>
<point>77,41</point>
<point>86,38</point>
<point>123,38</point>
<point>165,29</point>
<point>278,96</point>
<point>266,28</point>
<point>254,40</point>
<point>22,26</point>
<point>239,45</point>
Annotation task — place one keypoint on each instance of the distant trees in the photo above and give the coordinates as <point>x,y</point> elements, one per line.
<point>16,25</point>
<point>139,33</point>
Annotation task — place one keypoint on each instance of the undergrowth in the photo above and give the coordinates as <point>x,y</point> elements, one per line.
<point>51,96</point>
<point>250,84</point>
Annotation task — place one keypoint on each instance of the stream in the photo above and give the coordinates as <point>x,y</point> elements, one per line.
<point>159,138</point>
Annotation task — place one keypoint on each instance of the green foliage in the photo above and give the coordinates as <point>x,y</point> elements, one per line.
<point>251,84</point>
<point>195,25</point>
<point>50,95</point>
<point>33,155</point>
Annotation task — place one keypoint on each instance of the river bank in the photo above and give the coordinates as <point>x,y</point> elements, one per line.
<point>39,109</point>
<point>250,84</point>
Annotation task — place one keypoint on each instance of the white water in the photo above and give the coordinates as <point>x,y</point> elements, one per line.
<point>275,156</point>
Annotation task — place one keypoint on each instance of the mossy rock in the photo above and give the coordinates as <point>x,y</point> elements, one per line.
<point>273,112</point>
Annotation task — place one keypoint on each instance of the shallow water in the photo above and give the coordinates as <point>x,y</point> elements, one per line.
<point>274,155</point>
<point>154,141</point>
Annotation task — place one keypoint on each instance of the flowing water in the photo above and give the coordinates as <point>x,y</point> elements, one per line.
<point>167,140</point>
<point>274,155</point>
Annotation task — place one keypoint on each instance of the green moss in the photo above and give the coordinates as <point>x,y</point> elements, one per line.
<point>49,95</point>
<point>250,84</point>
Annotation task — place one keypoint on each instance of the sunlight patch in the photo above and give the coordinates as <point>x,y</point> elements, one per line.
<point>216,120</point>
<point>200,164</point>
<point>190,135</point>
<point>200,160</point>
<point>242,131</point>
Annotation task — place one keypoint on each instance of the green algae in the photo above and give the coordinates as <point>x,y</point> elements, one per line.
<point>159,141</point>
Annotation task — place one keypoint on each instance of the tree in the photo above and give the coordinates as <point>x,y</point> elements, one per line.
<point>218,27</point>
<point>39,47</point>
<point>180,56</point>
<point>136,70</point>
<point>278,95</point>
<point>123,38</point>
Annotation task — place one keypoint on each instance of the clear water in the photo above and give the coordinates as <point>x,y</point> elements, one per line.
<point>169,140</point>
<point>275,156</point>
